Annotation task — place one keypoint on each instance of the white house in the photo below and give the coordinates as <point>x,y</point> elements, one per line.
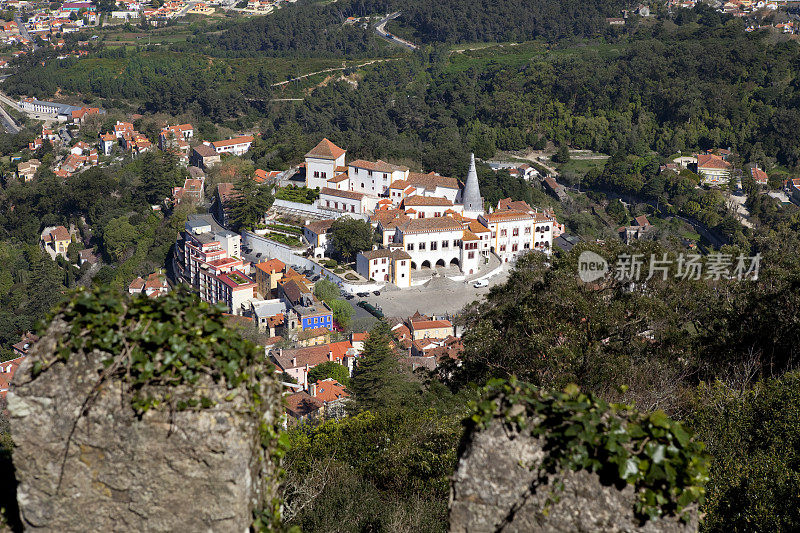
<point>346,201</point>
<point>417,206</point>
<point>234,145</point>
<point>324,161</point>
<point>393,266</point>
<point>374,178</point>
<point>517,232</point>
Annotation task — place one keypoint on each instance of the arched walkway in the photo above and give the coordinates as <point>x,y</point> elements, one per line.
<point>440,263</point>
<point>425,264</point>
<point>454,262</point>
<point>413,265</point>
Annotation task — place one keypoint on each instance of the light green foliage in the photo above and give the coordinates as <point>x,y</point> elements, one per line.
<point>658,456</point>
<point>326,290</point>
<point>342,312</point>
<point>330,369</point>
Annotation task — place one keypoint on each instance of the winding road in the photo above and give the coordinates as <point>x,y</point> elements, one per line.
<point>380,29</point>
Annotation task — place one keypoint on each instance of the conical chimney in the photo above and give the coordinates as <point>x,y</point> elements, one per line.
<point>471,198</point>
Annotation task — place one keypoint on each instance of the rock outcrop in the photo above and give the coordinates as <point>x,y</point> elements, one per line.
<point>495,488</point>
<point>97,466</point>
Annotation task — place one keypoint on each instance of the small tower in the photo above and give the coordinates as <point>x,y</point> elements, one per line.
<point>471,196</point>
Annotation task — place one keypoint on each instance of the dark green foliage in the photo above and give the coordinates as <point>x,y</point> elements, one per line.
<point>350,236</point>
<point>249,204</point>
<point>154,345</point>
<point>377,381</point>
<point>754,439</point>
<point>377,469</point>
<point>302,195</point>
<point>655,454</point>
<point>330,369</point>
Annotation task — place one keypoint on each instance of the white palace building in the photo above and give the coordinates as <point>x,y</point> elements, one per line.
<point>426,220</point>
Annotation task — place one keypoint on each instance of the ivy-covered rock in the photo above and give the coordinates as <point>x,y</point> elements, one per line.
<point>532,460</point>
<point>144,415</point>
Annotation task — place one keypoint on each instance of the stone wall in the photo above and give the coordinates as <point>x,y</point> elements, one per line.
<point>96,466</point>
<point>491,491</point>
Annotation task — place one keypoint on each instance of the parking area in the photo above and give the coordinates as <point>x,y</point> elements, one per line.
<point>440,296</point>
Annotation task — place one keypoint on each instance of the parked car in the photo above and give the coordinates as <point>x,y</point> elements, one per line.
<point>481,283</point>
<point>363,294</point>
<point>376,293</point>
<point>371,309</point>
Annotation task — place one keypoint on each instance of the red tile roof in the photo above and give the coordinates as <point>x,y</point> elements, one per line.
<point>326,150</point>
<point>712,161</point>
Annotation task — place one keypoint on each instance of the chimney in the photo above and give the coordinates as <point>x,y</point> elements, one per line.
<point>313,390</point>
<point>330,355</point>
<point>294,361</point>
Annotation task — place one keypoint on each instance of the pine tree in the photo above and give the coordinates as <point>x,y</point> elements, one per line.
<point>377,381</point>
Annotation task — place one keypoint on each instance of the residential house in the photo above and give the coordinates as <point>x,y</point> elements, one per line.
<point>234,145</point>
<point>639,229</point>
<point>7,371</point>
<point>393,266</point>
<point>268,274</point>
<point>713,169</point>
<point>333,396</point>
<point>27,169</point>
<point>107,141</point>
<point>154,286</point>
<point>191,192</point>
<point>273,316</point>
<point>204,156</point>
<point>302,407</point>
<point>55,240</point>
<point>759,176</point>
<point>222,201</point>
<point>21,348</point>
<point>315,233</point>
<point>314,337</point>
<point>297,362</point>
<point>312,312</point>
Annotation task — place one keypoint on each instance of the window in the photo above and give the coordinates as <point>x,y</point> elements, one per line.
<point>437,214</point>
<point>421,246</point>
<point>316,173</point>
<point>503,232</point>
<point>328,202</point>
<point>410,246</point>
<point>402,263</point>
<point>515,232</point>
<point>514,248</point>
<point>422,214</point>
<point>445,245</point>
<point>369,173</point>
<point>502,247</point>
<point>471,255</point>
<point>527,230</point>
<point>352,209</point>
<point>434,245</point>
<point>527,245</point>
<point>383,261</point>
<point>324,174</point>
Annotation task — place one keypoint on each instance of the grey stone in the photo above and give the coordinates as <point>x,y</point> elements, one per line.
<point>194,470</point>
<point>490,491</point>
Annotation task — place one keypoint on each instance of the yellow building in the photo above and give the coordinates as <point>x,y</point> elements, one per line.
<point>268,274</point>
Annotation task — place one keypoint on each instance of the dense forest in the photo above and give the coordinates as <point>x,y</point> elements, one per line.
<point>667,88</point>
<point>314,29</point>
<point>110,210</point>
